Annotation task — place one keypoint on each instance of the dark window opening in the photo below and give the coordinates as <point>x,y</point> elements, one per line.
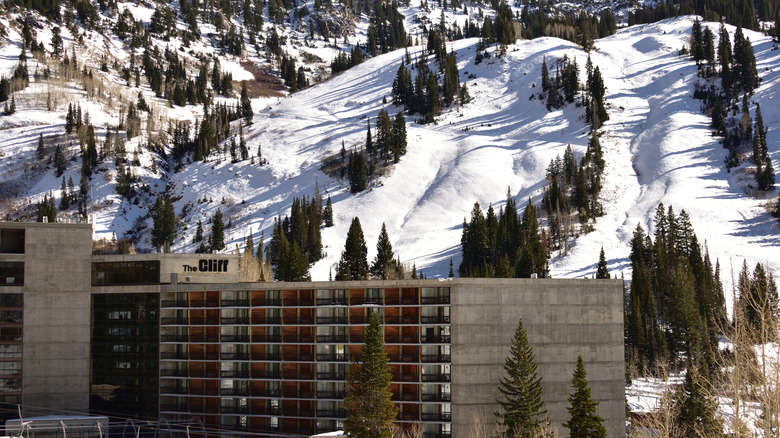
<point>118,273</point>
<point>12,241</point>
<point>11,273</point>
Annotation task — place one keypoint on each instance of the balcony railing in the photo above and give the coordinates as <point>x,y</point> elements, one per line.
<point>332,395</point>
<point>332,338</point>
<point>338,413</point>
<point>234,373</point>
<point>331,376</point>
<point>435,300</point>
<point>435,319</point>
<point>181,407</point>
<point>268,320</point>
<point>174,373</point>
<point>234,356</point>
<point>408,396</point>
<point>234,391</point>
<point>338,357</point>
<point>267,338</point>
<point>174,321</point>
<point>236,320</point>
<point>407,378</point>
<point>266,356</point>
<point>174,355</point>
<point>335,301</point>
<point>331,320</point>
<point>234,409</point>
<point>428,358</point>
<point>236,303</point>
<point>444,397</point>
<point>435,377</point>
<point>234,338</point>
<point>436,416</point>
<point>436,339</point>
<point>174,338</point>
<point>173,390</point>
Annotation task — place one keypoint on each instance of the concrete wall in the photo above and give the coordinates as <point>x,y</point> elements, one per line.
<point>56,319</point>
<point>188,268</point>
<point>562,318</point>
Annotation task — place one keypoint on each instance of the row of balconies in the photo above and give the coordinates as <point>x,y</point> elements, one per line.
<point>304,376</point>
<point>300,413</point>
<point>301,339</point>
<point>287,320</point>
<point>306,302</point>
<point>278,357</point>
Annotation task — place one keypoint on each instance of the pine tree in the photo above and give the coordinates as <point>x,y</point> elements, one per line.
<point>327,213</point>
<point>370,410</point>
<point>40,151</point>
<point>59,161</point>
<point>521,388</point>
<point>357,172</point>
<point>384,256</point>
<point>354,263</point>
<point>601,271</point>
<point>164,223</point>
<point>583,421</point>
<point>696,409</point>
<point>199,232</point>
<point>545,75</point>
<point>246,104</point>
<point>64,198</point>
<point>217,231</point>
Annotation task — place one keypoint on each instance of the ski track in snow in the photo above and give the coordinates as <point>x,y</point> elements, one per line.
<point>657,146</point>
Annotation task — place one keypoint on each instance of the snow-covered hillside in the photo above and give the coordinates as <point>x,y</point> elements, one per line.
<point>657,146</point>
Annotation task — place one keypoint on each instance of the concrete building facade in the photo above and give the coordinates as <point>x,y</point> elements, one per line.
<point>177,335</point>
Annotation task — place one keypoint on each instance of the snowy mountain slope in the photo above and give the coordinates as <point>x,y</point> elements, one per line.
<point>661,151</point>
<point>657,146</point>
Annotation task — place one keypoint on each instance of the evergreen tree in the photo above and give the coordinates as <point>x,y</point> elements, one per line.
<point>64,198</point>
<point>217,231</point>
<point>370,410</point>
<point>59,161</point>
<point>354,263</point>
<point>40,151</point>
<point>696,409</point>
<point>583,421</point>
<point>199,232</point>
<point>327,213</point>
<point>601,271</point>
<point>545,75</point>
<point>521,389</point>
<point>246,104</point>
<point>164,223</point>
<point>384,256</point>
<point>356,170</point>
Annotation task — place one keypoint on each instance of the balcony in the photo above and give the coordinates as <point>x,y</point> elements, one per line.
<point>441,339</point>
<point>407,358</point>
<point>406,319</point>
<point>408,416</point>
<point>268,320</point>
<point>234,373</point>
<point>267,356</point>
<point>204,303</point>
<point>444,397</point>
<point>435,300</point>
<point>234,391</point>
<point>432,358</point>
<point>174,303</point>
<point>234,356</point>
<point>338,357</point>
<point>436,416</point>
<point>331,395</point>
<point>436,319</point>
<point>234,338</point>
<point>267,338</point>
<point>180,407</point>
<point>338,339</point>
<point>174,321</point>
<point>236,303</point>
<point>408,396</point>
<point>407,378</point>
<point>435,377</point>
<point>335,301</point>
<point>234,409</point>
<point>234,321</point>
<point>331,376</point>
<point>174,355</point>
<point>295,320</point>
<point>174,373</point>
<point>173,390</point>
<point>338,413</point>
<point>331,320</point>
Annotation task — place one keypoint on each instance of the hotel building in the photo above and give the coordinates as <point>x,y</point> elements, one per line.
<point>176,336</point>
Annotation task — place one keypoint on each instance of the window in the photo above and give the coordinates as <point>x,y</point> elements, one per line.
<point>117,273</point>
<point>12,241</point>
<point>11,273</point>
<point>373,296</point>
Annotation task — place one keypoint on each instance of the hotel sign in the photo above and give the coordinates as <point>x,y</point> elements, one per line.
<point>208,265</point>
